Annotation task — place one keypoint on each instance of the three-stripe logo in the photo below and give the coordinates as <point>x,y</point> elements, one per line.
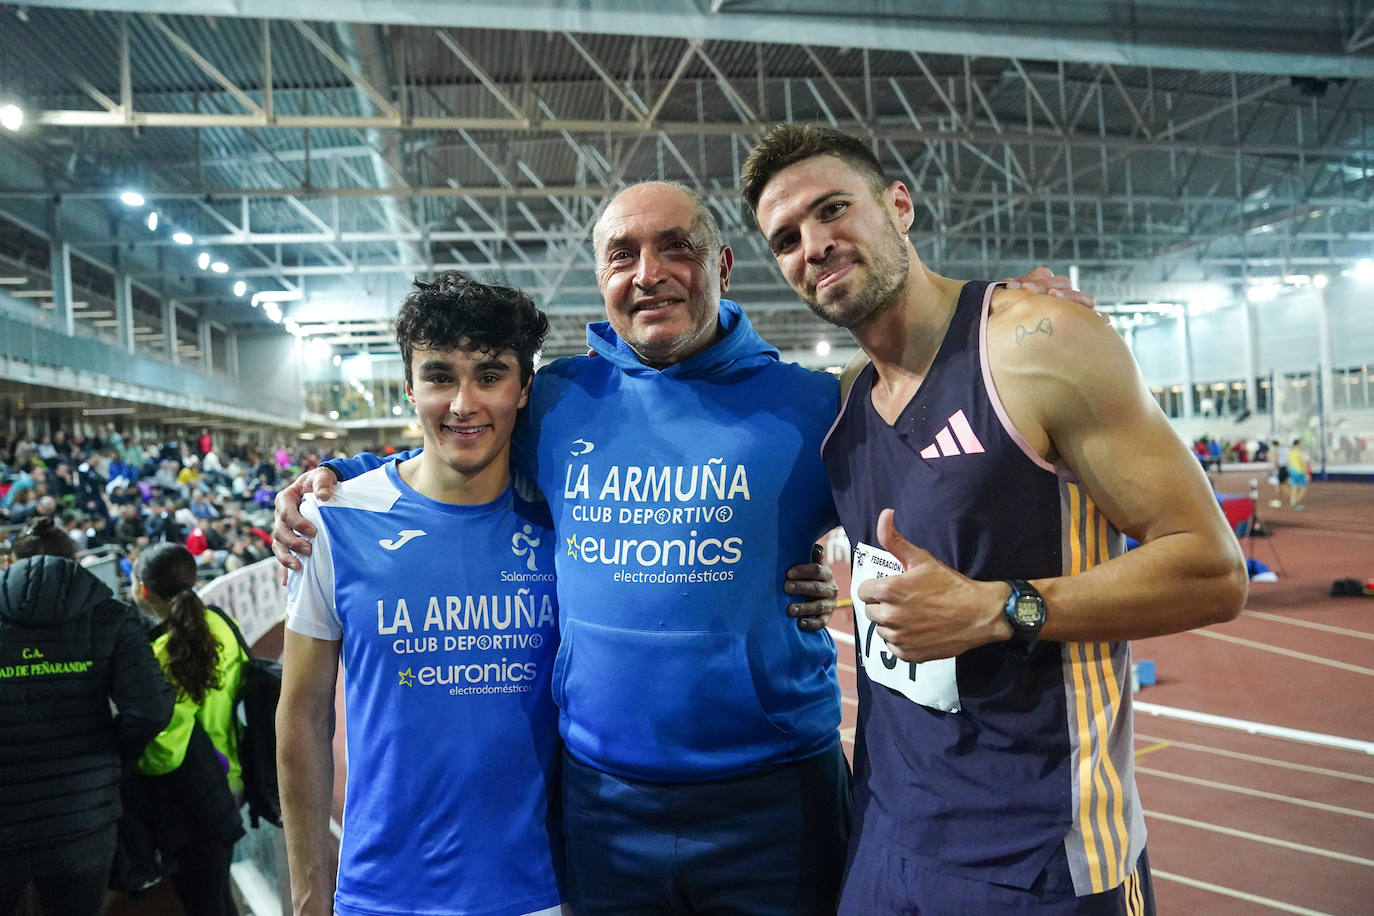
<point>945,444</point>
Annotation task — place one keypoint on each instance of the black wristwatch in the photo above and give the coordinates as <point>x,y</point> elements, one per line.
<point>1025,611</point>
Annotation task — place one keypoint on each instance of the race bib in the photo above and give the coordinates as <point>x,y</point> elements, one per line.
<point>931,683</point>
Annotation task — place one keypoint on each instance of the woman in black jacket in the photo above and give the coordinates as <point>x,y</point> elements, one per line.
<point>68,650</point>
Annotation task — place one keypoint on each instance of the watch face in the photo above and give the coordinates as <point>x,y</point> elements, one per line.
<point>1027,611</point>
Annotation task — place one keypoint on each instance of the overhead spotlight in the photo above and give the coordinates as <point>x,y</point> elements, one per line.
<point>152,221</point>
<point>317,351</point>
<point>11,116</point>
<point>132,198</point>
<point>338,360</point>
<point>1263,292</point>
<point>203,261</point>
<point>183,238</point>
<point>220,267</point>
<point>823,348</point>
<point>1320,280</point>
<point>240,288</point>
<point>279,295</point>
<point>1364,270</point>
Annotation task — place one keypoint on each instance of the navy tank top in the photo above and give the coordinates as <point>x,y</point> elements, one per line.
<point>1009,767</point>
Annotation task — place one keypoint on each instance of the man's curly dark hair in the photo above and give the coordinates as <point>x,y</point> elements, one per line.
<point>457,311</point>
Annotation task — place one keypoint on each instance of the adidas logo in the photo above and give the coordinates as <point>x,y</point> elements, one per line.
<point>945,445</point>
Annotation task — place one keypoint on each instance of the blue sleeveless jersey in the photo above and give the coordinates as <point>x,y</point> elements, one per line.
<point>449,626</point>
<point>1028,770</point>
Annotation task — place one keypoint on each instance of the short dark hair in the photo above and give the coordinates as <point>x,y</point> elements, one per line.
<point>455,310</point>
<point>788,144</point>
<point>43,538</point>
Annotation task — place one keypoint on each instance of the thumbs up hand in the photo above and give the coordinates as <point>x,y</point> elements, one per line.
<point>930,611</point>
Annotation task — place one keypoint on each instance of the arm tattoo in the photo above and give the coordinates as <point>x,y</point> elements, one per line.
<point>1044,327</point>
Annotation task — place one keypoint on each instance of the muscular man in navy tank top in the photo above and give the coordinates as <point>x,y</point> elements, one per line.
<point>986,464</point>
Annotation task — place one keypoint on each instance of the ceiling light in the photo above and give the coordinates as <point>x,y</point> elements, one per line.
<point>11,116</point>
<point>152,221</point>
<point>240,288</point>
<point>183,238</point>
<point>1364,270</point>
<point>278,295</point>
<point>1320,280</point>
<point>220,267</point>
<point>823,348</point>
<point>396,410</point>
<point>203,262</point>
<point>132,198</point>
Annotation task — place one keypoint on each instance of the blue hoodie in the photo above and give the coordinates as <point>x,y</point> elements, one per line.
<point>680,496</point>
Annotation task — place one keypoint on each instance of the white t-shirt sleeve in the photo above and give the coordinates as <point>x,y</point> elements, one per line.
<point>310,607</point>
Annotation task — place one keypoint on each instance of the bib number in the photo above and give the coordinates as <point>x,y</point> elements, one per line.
<point>932,683</point>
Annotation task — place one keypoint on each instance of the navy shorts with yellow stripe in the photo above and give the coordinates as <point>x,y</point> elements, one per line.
<point>882,883</point>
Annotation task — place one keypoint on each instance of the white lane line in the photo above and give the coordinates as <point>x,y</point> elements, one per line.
<point>1291,653</point>
<point>1232,892</point>
<point>1260,838</point>
<point>1254,758</point>
<point>840,636</point>
<point>1256,728</point>
<point>1257,793</point>
<point>1310,624</point>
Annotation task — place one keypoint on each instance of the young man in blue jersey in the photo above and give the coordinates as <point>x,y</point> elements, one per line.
<point>431,582</point>
<point>1013,437</point>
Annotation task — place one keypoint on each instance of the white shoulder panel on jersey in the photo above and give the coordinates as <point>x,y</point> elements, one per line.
<point>371,491</point>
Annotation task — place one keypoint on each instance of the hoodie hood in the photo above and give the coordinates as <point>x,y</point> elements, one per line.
<point>740,345</point>
<point>48,591</point>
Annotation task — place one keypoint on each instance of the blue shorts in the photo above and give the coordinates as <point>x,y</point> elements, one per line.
<point>880,881</point>
<point>1297,478</point>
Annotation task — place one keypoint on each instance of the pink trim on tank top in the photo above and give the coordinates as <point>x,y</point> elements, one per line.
<point>991,387</point>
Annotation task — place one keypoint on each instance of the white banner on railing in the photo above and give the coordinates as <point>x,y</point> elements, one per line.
<point>251,596</point>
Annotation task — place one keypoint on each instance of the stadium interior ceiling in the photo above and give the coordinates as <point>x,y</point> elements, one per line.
<point>1162,150</point>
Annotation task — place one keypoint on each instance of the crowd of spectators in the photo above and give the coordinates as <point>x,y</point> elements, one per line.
<point>1213,453</point>
<point>118,494</point>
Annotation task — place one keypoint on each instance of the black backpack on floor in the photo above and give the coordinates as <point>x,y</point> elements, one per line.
<point>255,714</point>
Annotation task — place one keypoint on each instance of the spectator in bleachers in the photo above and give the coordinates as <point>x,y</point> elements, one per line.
<point>28,478</point>
<point>76,530</point>
<point>161,525</point>
<point>47,452</point>
<point>188,478</point>
<point>131,529</point>
<point>73,655</point>
<point>118,471</point>
<point>202,507</point>
<point>98,532</point>
<point>212,470</point>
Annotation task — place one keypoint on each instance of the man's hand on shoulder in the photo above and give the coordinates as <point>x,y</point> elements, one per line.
<point>1046,282</point>
<point>290,530</point>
